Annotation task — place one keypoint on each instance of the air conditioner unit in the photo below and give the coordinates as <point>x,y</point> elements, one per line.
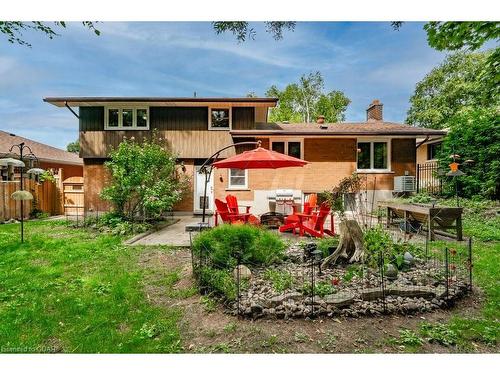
<point>404,184</point>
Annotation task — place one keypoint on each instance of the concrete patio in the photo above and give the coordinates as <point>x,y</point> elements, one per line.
<point>173,235</point>
<point>176,235</point>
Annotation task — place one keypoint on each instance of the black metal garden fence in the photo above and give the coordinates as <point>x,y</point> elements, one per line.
<point>429,179</point>
<point>418,275</point>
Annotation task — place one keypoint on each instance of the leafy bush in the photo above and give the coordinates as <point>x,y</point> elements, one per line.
<point>351,271</point>
<point>111,222</point>
<point>378,243</point>
<point>321,289</point>
<point>144,179</point>
<point>408,338</point>
<point>281,280</point>
<point>224,244</point>
<point>439,333</point>
<point>219,282</point>
<point>324,244</point>
<point>474,135</point>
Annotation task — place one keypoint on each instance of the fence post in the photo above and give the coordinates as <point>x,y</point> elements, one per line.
<point>238,284</point>
<point>470,264</point>
<point>312,287</point>
<point>446,272</point>
<point>382,278</point>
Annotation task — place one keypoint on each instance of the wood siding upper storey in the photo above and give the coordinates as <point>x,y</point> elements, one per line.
<point>184,128</point>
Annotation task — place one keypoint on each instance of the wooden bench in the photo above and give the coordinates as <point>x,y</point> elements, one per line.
<point>431,216</point>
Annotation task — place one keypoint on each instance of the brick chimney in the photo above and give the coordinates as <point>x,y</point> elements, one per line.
<point>374,111</point>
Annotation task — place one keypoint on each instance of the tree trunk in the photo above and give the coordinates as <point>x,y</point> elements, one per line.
<point>350,245</point>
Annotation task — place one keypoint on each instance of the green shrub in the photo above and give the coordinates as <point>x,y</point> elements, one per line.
<point>379,243</point>
<point>222,246</point>
<point>281,280</point>
<point>321,289</point>
<point>111,222</point>
<point>351,271</point>
<point>325,243</point>
<point>219,282</point>
<point>439,333</point>
<point>408,338</point>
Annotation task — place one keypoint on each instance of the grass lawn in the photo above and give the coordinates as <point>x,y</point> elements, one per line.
<point>73,290</point>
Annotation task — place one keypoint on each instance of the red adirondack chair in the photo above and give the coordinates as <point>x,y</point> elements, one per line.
<point>313,224</point>
<point>234,208</point>
<point>292,220</point>
<point>227,217</point>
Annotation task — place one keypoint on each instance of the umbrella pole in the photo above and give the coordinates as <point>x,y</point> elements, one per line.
<point>207,178</point>
<point>207,164</point>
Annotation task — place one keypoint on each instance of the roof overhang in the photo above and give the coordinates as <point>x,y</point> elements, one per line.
<point>85,101</point>
<point>405,133</point>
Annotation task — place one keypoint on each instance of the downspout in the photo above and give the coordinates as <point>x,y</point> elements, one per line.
<point>71,109</point>
<point>421,143</point>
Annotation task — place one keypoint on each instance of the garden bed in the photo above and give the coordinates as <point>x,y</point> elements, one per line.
<point>284,290</point>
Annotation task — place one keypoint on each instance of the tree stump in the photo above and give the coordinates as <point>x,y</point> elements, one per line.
<point>351,245</point>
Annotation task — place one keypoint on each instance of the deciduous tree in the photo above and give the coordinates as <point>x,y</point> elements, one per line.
<point>447,89</point>
<point>13,30</point>
<point>144,179</point>
<point>305,100</point>
<point>73,147</point>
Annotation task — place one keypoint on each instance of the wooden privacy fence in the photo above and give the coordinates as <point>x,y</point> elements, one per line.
<point>46,196</point>
<point>73,196</point>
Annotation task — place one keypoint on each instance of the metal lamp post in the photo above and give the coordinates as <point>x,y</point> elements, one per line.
<point>22,147</point>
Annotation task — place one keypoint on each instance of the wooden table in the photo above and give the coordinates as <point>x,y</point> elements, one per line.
<point>431,216</point>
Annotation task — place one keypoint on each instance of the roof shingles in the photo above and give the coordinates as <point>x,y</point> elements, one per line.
<point>344,128</point>
<point>42,151</point>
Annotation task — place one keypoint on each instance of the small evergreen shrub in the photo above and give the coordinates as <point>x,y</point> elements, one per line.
<point>222,246</point>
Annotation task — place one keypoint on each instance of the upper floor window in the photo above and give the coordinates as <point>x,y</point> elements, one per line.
<point>288,147</point>
<point>219,118</point>
<point>373,155</point>
<point>126,118</point>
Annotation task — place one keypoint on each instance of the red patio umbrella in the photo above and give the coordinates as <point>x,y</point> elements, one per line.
<point>260,158</point>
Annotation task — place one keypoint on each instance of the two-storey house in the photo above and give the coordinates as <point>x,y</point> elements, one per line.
<point>196,128</point>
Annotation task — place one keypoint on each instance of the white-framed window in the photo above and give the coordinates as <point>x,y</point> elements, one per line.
<point>373,155</point>
<point>219,118</point>
<point>291,147</point>
<point>238,178</point>
<point>133,118</point>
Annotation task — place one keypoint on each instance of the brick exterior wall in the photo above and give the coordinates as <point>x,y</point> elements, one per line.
<point>330,160</point>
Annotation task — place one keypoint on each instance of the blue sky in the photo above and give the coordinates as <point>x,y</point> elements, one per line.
<point>365,60</point>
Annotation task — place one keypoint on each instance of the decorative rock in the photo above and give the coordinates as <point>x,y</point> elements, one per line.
<point>245,272</point>
<point>339,299</point>
<point>256,308</point>
<point>408,259</point>
<point>391,272</point>
<point>371,294</point>
<point>278,300</point>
